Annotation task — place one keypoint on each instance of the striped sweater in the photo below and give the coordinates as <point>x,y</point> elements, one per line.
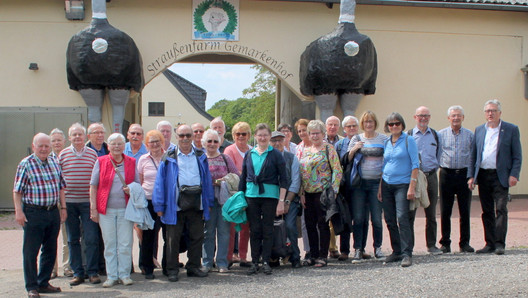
<point>77,171</point>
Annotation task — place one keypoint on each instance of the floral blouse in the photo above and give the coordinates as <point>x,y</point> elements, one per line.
<point>316,174</point>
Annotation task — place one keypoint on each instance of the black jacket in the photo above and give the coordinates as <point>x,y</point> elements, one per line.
<point>273,171</point>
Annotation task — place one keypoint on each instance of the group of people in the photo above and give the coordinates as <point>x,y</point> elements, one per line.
<point>96,187</point>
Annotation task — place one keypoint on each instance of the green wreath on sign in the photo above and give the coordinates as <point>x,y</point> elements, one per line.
<point>225,6</point>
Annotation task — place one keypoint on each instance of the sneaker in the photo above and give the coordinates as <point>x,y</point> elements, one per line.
<point>266,268</point>
<point>445,249</point>
<point>127,281</point>
<point>393,258</point>
<point>109,283</point>
<point>223,270</point>
<point>206,269</point>
<point>406,261</point>
<point>358,255</point>
<point>434,251</point>
<point>378,254</point>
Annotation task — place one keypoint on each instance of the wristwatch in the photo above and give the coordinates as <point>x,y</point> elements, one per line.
<point>287,202</point>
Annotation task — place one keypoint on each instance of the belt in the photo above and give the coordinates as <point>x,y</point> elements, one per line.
<point>455,171</point>
<point>430,172</point>
<point>47,208</point>
<point>487,171</point>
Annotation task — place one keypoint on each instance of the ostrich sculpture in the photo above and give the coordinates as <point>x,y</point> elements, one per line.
<point>341,65</point>
<point>102,58</point>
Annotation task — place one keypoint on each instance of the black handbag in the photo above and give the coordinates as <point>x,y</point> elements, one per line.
<point>190,197</point>
<point>280,247</point>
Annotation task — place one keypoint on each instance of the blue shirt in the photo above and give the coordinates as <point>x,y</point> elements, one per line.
<point>455,149</point>
<point>427,146</point>
<point>342,147</point>
<point>188,174</point>
<point>399,160</point>
<point>252,189</point>
<point>295,175</point>
<point>141,151</point>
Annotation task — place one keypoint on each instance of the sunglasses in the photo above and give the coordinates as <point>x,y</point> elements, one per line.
<point>198,131</point>
<point>238,134</point>
<point>394,123</point>
<point>185,135</point>
<point>212,141</point>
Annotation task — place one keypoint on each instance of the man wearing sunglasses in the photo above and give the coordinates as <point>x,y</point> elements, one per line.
<point>428,148</point>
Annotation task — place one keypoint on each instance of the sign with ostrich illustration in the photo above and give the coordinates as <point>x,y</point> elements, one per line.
<point>215,20</point>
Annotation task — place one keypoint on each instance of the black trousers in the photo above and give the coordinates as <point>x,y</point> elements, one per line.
<point>40,234</point>
<point>193,220</point>
<point>493,199</point>
<point>430,212</point>
<point>149,243</point>
<point>315,220</point>
<point>261,214</point>
<point>454,182</point>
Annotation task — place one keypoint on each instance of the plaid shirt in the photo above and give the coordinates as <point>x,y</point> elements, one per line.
<point>455,149</point>
<point>39,182</point>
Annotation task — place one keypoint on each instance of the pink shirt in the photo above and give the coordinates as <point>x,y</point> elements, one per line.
<point>238,159</point>
<point>146,167</point>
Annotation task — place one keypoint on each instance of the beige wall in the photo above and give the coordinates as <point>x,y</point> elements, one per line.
<point>426,56</point>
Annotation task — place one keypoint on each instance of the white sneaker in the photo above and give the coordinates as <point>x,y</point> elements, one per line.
<point>127,281</point>
<point>109,283</point>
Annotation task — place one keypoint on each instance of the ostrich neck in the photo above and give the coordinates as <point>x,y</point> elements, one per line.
<point>99,9</point>
<point>347,11</point>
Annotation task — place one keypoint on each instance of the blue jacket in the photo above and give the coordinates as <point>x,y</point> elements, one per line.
<point>165,194</point>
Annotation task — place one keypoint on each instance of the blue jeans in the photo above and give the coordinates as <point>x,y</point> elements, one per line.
<point>396,208</point>
<point>365,199</point>
<point>216,225</point>
<point>291,230</point>
<point>40,234</point>
<point>77,223</point>
<point>118,239</point>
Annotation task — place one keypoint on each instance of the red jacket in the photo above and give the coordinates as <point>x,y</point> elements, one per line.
<point>106,177</point>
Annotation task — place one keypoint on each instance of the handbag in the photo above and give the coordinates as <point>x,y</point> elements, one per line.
<point>190,197</point>
<point>355,171</point>
<point>280,247</point>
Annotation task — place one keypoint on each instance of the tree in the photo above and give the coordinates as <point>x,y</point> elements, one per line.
<point>256,106</point>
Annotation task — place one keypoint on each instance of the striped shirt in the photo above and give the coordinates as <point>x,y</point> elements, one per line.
<point>39,181</point>
<point>455,149</point>
<point>77,170</point>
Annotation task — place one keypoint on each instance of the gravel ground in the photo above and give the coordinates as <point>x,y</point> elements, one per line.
<point>449,275</point>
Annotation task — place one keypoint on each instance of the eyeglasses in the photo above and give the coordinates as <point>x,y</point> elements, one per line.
<point>315,133</point>
<point>154,142</point>
<point>238,134</point>
<point>423,116</point>
<point>116,144</point>
<point>350,126</point>
<point>97,133</point>
<point>394,123</point>
<point>135,133</point>
<point>490,111</point>
<point>212,141</point>
<point>185,135</point>
<point>198,131</point>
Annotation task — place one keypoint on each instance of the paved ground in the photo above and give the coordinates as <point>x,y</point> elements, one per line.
<point>449,275</point>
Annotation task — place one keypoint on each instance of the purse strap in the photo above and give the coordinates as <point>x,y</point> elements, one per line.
<point>329,164</point>
<point>118,173</point>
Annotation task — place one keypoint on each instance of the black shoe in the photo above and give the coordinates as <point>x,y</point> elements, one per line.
<point>296,264</point>
<point>343,257</point>
<point>406,261</point>
<point>393,258</point>
<point>499,251</point>
<point>445,249</point>
<point>149,276</point>
<point>266,268</point>
<point>196,272</point>
<point>366,256</point>
<point>165,272</point>
<point>486,250</point>
<point>253,269</point>
<point>173,277</point>
<point>467,248</point>
<point>244,264</point>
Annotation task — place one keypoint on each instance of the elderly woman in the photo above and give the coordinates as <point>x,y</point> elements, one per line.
<point>109,195</point>
<point>286,129</point>
<point>364,198</point>
<point>320,168</point>
<point>264,181</point>
<point>219,165</point>
<point>398,183</point>
<point>241,133</point>
<point>147,168</point>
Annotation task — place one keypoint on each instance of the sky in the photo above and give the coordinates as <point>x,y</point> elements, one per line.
<point>221,81</point>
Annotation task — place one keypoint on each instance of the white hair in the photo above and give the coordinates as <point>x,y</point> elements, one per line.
<point>57,131</point>
<point>38,136</point>
<point>93,126</point>
<point>76,125</point>
<point>217,119</point>
<point>332,118</point>
<point>455,108</point>
<point>163,123</point>
<point>348,118</point>
<point>209,132</point>
<point>116,136</point>
<point>493,102</point>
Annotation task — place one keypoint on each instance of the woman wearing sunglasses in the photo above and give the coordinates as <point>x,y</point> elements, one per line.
<point>219,165</point>
<point>241,134</point>
<point>397,188</point>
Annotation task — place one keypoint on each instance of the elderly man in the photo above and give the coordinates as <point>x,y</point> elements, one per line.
<point>96,139</point>
<point>218,125</point>
<point>428,148</point>
<point>135,147</point>
<point>455,159</point>
<point>498,156</point>
<point>198,131</point>
<point>37,191</point>
<point>77,162</point>
<point>165,127</point>
<point>58,141</point>
<point>290,206</point>
<point>183,194</point>
<point>332,129</point>
<point>286,129</point>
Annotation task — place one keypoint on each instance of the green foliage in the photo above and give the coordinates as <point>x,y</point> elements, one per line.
<point>257,105</point>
